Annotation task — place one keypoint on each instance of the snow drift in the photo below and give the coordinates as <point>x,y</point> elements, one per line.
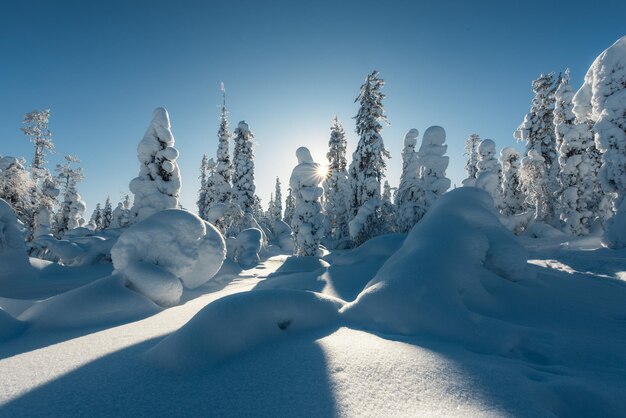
<point>441,276</point>
<point>169,247</point>
<point>13,257</point>
<point>239,323</point>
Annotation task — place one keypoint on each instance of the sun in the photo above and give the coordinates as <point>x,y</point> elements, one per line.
<point>322,171</point>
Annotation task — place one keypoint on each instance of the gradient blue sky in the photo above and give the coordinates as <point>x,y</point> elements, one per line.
<point>288,66</point>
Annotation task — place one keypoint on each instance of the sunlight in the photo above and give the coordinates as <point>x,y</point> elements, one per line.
<point>322,171</point>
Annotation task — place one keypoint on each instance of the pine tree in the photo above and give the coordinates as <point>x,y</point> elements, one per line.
<point>107,213</point>
<point>512,196</point>
<point>72,208</point>
<point>368,161</point>
<point>471,150</point>
<point>432,165</point>
<point>336,188</point>
<point>307,222</point>
<point>534,186</point>
<point>210,195</point>
<point>386,192</point>
<point>574,195</point>
<point>16,186</point>
<point>243,178</point>
<point>224,166</point>
<point>95,222</point>
<point>290,207</point>
<point>203,187</point>
<point>158,185</point>
<point>537,131</point>
<point>277,215</point>
<point>601,99</point>
<point>410,195</point>
<point>44,191</point>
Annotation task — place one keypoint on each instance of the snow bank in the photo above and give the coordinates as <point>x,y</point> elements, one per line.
<point>238,323</point>
<point>440,277</point>
<point>106,301</point>
<point>170,246</point>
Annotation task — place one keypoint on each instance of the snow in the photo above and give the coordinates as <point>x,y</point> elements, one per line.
<point>456,251</point>
<point>9,326</point>
<point>240,323</point>
<point>104,302</point>
<point>169,247</point>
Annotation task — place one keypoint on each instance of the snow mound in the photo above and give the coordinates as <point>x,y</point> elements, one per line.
<point>9,326</point>
<point>238,323</point>
<point>170,246</point>
<point>410,139</point>
<point>300,264</point>
<point>106,301</point>
<point>441,276</point>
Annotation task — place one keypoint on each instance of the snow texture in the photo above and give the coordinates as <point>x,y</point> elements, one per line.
<point>13,257</point>
<point>169,247</point>
<point>158,185</point>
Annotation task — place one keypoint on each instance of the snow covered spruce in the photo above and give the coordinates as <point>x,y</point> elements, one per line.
<point>158,185</point>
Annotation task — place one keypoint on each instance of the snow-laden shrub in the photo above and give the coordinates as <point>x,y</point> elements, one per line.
<point>167,250</point>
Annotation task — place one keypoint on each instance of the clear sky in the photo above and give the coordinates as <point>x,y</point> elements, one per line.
<point>288,67</point>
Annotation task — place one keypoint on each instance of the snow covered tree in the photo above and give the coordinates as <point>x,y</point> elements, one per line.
<point>158,185</point>
<point>270,208</point>
<point>44,191</point>
<point>410,195</point>
<point>537,131</point>
<point>534,186</point>
<point>489,176</point>
<point>95,222</point>
<point>471,150</point>
<point>16,187</point>
<point>336,188</point>
<point>386,196</point>
<point>107,213</point>
<point>290,207</point>
<point>202,209</point>
<point>277,213</point>
<point>433,164</point>
<point>121,216</point>
<point>368,160</point>
<point>70,214</point>
<point>307,222</point>
<point>602,99</point>
<point>36,127</point>
<point>243,177</point>
<point>224,166</point>
<point>512,196</point>
<point>210,194</point>
<point>575,195</point>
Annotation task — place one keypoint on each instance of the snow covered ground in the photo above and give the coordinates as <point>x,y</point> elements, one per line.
<point>458,317</point>
<point>105,370</point>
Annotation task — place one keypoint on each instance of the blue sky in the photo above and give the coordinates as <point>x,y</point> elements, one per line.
<point>288,66</point>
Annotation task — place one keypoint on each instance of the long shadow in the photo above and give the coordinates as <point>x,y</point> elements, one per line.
<point>287,378</point>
